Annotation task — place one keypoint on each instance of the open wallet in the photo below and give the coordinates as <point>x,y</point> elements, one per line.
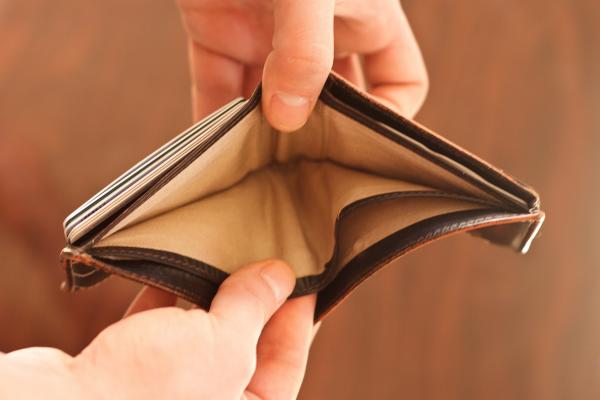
<point>353,189</point>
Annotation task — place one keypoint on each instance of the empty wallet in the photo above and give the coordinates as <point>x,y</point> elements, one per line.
<point>356,187</point>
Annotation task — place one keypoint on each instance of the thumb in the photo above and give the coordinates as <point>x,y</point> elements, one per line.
<point>297,67</point>
<point>249,297</point>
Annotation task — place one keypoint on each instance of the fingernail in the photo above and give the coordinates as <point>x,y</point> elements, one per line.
<point>289,111</point>
<point>279,279</point>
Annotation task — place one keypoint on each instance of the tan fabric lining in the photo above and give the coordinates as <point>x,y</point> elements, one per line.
<point>257,193</point>
<point>374,222</point>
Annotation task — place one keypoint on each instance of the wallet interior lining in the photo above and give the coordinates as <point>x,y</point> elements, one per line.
<point>258,193</point>
<point>290,211</point>
<point>252,144</point>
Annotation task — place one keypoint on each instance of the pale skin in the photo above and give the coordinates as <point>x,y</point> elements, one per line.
<point>252,343</point>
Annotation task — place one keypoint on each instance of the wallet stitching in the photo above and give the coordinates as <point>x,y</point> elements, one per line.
<point>137,251</point>
<point>162,255</point>
<point>147,278</point>
<point>413,193</point>
<point>143,278</point>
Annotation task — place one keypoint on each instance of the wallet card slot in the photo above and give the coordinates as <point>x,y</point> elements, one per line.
<point>346,99</point>
<point>383,252</point>
<point>178,261</point>
<point>142,174</point>
<point>501,196</point>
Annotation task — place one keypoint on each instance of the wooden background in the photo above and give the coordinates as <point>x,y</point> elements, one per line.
<point>87,88</point>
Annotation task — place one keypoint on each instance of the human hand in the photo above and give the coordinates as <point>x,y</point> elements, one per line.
<point>290,44</point>
<point>250,345</point>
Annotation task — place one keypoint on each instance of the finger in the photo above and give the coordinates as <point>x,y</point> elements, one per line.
<point>349,67</point>
<point>282,351</point>
<point>397,72</point>
<point>296,70</point>
<point>148,298</point>
<point>364,26</point>
<point>216,79</point>
<point>247,299</point>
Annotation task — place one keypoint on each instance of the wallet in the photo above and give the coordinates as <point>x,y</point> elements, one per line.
<point>353,189</point>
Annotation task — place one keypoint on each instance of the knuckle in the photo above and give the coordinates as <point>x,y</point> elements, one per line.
<point>313,59</point>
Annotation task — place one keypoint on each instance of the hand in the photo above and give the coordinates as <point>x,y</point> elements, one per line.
<point>290,43</point>
<point>250,345</point>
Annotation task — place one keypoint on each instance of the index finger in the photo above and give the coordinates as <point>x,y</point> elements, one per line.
<point>296,70</point>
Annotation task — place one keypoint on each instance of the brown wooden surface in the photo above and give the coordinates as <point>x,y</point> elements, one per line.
<point>87,88</point>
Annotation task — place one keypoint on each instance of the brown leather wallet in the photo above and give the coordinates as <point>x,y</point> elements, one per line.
<point>356,187</point>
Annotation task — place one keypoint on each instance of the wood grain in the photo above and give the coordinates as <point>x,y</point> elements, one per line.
<point>87,88</point>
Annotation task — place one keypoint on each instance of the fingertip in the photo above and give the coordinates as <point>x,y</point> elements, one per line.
<point>279,277</point>
<point>250,296</point>
<point>287,112</point>
<point>293,78</point>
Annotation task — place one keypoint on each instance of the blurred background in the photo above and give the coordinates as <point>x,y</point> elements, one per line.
<point>88,88</point>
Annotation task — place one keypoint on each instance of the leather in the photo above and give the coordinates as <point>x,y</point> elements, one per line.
<point>355,188</point>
